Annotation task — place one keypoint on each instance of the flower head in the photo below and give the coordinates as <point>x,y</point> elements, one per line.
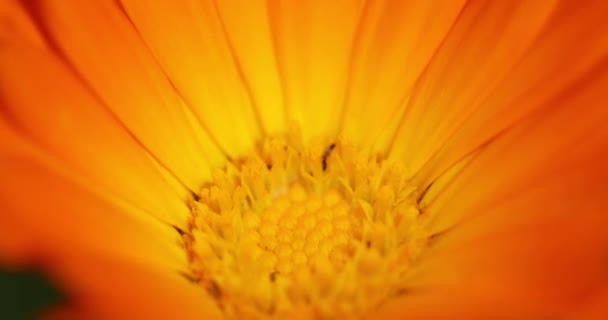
<point>307,159</point>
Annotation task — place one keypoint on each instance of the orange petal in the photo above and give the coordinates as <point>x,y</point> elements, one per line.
<point>444,305</point>
<point>16,25</point>
<point>394,43</point>
<point>486,42</point>
<point>54,215</point>
<point>555,140</point>
<point>595,306</point>
<point>488,85</point>
<point>98,40</point>
<point>189,41</point>
<point>577,35</point>
<point>313,42</point>
<point>49,105</point>
<point>96,252</point>
<point>540,254</point>
<point>104,288</point>
<point>522,228</point>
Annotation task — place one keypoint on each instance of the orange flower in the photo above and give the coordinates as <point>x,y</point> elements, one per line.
<point>312,159</point>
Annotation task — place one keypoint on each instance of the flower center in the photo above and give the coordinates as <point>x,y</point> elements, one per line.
<point>315,232</point>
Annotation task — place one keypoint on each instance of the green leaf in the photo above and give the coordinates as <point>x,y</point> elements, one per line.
<point>24,294</point>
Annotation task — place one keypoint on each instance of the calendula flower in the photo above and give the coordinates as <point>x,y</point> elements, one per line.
<point>314,159</point>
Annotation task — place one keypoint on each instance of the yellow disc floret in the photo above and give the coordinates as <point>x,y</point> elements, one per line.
<point>294,232</point>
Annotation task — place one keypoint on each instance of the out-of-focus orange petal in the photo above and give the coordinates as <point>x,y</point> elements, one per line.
<point>313,41</point>
<point>539,254</point>
<point>469,96</point>
<point>444,305</point>
<point>595,307</point>
<point>542,147</point>
<point>46,103</point>
<point>541,76</point>
<point>16,25</point>
<point>105,288</point>
<point>189,41</point>
<point>522,228</point>
<point>54,214</point>
<point>394,43</point>
<point>12,244</point>
<point>98,40</point>
<point>486,42</point>
<point>109,263</point>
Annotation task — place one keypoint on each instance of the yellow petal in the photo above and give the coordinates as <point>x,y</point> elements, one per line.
<point>189,42</point>
<point>247,29</point>
<point>313,42</point>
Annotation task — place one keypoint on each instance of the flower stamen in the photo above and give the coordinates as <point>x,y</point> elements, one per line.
<point>323,232</point>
